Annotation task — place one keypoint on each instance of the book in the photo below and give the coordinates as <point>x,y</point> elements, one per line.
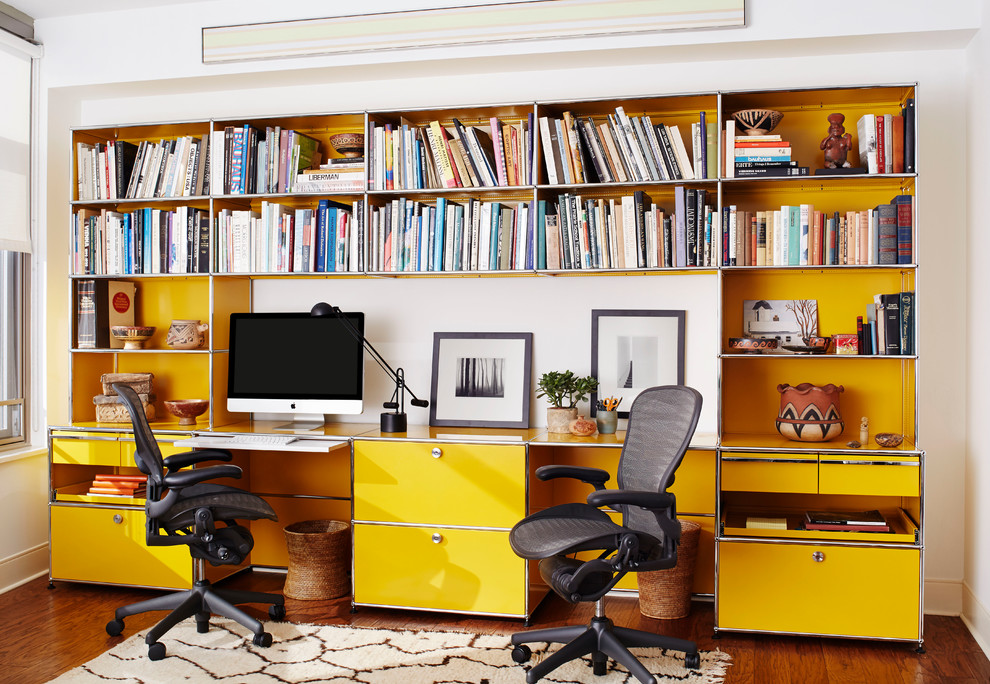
<point>835,527</point>
<point>905,228</point>
<point>910,123</point>
<point>101,304</point>
<point>870,517</point>
<point>754,522</point>
<point>887,234</point>
<point>866,129</point>
<point>907,323</point>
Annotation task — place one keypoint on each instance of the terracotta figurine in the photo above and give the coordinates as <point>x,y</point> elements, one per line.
<point>837,144</point>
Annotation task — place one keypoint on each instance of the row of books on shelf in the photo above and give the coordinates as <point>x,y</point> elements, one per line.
<point>800,235</point>
<point>410,157</point>
<point>143,241</point>
<point>130,486</point>
<point>886,141</point>
<point>624,148</point>
<point>280,239</point>
<point>886,329</point>
<point>118,169</point>
<point>260,161</point>
<point>629,232</point>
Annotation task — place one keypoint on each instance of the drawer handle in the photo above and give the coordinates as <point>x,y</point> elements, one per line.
<point>437,537</point>
<point>437,452</point>
<point>818,557</point>
<point>117,518</point>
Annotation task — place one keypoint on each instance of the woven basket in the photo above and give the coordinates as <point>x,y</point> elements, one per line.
<point>319,559</point>
<point>666,594</point>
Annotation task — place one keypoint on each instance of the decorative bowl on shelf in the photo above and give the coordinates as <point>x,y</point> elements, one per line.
<point>133,336</point>
<point>348,144</point>
<point>186,410</point>
<point>812,345</point>
<point>888,440</point>
<point>757,121</point>
<point>752,345</point>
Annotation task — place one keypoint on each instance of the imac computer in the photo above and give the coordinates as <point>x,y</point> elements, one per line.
<point>295,365</point>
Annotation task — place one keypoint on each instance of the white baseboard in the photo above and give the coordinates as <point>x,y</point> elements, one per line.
<point>976,617</point>
<point>943,597</point>
<point>23,567</point>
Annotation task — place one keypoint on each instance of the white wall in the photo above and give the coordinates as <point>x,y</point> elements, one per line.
<point>974,488</point>
<point>786,45</point>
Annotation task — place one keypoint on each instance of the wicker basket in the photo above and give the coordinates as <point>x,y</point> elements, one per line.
<point>666,594</point>
<point>319,559</point>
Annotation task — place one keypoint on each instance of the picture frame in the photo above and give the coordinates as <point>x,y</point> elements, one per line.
<point>632,350</point>
<point>481,379</point>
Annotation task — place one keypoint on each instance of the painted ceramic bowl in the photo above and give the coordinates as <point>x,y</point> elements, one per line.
<point>133,336</point>
<point>348,144</point>
<point>757,121</point>
<point>751,345</point>
<point>888,440</point>
<point>186,410</point>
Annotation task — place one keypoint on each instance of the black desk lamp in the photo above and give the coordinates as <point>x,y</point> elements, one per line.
<point>396,420</point>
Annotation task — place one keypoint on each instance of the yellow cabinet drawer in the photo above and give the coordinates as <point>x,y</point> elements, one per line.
<point>871,476</point>
<point>107,545</point>
<point>101,450</point>
<point>440,484</point>
<point>759,472</point>
<point>694,483</point>
<point>167,448</point>
<point>459,570</point>
<point>844,591</point>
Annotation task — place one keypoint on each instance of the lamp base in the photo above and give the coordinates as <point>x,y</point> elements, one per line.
<point>393,422</point>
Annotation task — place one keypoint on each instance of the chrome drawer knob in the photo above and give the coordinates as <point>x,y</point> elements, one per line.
<point>437,452</point>
<point>818,557</point>
<point>117,518</point>
<point>437,537</point>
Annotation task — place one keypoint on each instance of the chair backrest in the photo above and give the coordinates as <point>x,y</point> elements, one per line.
<point>147,455</point>
<point>662,421</point>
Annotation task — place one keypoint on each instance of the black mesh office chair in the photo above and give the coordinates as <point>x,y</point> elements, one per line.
<point>182,508</point>
<point>662,421</point>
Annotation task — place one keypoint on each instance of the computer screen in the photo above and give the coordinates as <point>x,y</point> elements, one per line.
<point>295,364</point>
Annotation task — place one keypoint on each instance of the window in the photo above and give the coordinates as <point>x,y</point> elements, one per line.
<point>12,346</point>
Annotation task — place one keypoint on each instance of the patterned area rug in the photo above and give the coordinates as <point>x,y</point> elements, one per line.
<point>335,655</point>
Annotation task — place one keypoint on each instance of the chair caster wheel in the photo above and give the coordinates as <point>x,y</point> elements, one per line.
<point>521,653</point>
<point>263,639</point>
<point>692,661</point>
<point>599,668</point>
<point>115,627</point>
<point>276,612</point>
<point>156,651</point>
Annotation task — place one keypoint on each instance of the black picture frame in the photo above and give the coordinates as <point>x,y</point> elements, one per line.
<point>481,379</point>
<point>647,344</point>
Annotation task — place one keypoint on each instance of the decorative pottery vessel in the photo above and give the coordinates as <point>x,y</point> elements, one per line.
<point>186,410</point>
<point>559,419</point>
<point>809,413</point>
<point>582,427</point>
<point>888,440</point>
<point>607,421</point>
<point>186,334</point>
<point>348,144</point>
<point>133,336</point>
<point>757,121</point>
<point>752,345</point>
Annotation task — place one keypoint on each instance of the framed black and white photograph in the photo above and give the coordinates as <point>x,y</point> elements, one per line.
<point>481,379</point>
<point>632,350</point>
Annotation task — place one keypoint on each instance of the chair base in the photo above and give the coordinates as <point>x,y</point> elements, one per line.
<point>199,601</point>
<point>602,640</point>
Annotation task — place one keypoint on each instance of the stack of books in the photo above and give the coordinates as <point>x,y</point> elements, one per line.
<point>336,175</point>
<point>846,521</point>
<point>131,486</point>
<point>764,155</point>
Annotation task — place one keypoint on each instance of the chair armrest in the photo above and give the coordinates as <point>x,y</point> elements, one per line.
<point>188,458</point>
<point>593,476</point>
<point>626,497</point>
<point>184,478</point>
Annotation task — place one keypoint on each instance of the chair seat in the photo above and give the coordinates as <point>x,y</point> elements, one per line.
<point>568,528</point>
<point>227,503</point>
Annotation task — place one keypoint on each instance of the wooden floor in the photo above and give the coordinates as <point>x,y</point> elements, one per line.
<point>46,632</point>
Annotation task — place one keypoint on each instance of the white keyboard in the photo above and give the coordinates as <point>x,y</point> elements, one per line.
<point>261,439</point>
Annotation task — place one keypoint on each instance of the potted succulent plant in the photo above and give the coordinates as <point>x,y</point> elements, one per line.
<point>564,390</point>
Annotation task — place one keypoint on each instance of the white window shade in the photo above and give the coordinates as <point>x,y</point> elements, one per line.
<point>15,149</point>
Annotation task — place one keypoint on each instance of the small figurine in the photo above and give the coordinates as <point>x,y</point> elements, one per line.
<point>864,430</point>
<point>837,144</point>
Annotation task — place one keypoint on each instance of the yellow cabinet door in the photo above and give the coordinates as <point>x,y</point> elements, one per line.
<point>694,483</point>
<point>438,569</point>
<point>474,485</point>
<point>89,450</point>
<point>819,589</point>
<point>870,476</point>
<point>770,472</point>
<point>107,545</point>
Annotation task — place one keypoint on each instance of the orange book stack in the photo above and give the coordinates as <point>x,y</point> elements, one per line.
<point>118,485</point>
